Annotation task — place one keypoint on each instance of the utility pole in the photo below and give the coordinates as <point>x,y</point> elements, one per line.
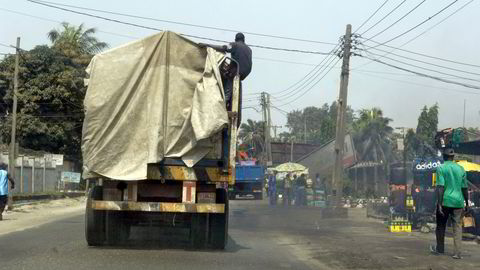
<point>268,136</point>
<point>464,109</point>
<point>275,130</point>
<point>341,111</point>
<point>11,152</point>
<point>265,102</point>
<point>304,127</point>
<point>291,148</point>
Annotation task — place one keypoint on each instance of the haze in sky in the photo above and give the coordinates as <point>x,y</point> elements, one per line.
<point>399,94</point>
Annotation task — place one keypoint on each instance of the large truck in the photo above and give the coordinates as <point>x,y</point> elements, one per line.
<point>249,180</point>
<point>158,143</point>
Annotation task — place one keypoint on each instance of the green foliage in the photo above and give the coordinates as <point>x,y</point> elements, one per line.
<point>422,142</point>
<point>320,123</point>
<point>252,134</point>
<point>51,92</point>
<point>373,136</point>
<point>76,41</point>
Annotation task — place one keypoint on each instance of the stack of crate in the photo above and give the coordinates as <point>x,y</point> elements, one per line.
<point>400,225</point>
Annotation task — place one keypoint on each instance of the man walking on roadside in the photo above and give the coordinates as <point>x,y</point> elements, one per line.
<point>452,197</point>
<point>4,178</point>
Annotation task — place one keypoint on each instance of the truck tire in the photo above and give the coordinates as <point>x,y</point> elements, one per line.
<point>219,223</point>
<point>94,219</point>
<point>118,230</point>
<point>231,195</point>
<point>198,230</point>
<point>258,196</point>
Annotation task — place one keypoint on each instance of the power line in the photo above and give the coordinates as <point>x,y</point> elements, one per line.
<point>397,21</point>
<point>311,87</point>
<point>424,75</point>
<point>7,46</point>
<point>433,26</point>
<point>305,78</point>
<point>419,35</point>
<point>424,68</point>
<point>182,23</point>
<point>54,21</point>
<point>417,84</point>
<point>305,81</point>
<point>186,35</point>
<point>371,16</point>
<point>384,17</point>
<point>421,61</point>
<point>418,25</point>
<point>425,55</point>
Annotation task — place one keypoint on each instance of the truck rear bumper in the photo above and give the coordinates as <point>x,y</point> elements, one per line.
<point>157,206</point>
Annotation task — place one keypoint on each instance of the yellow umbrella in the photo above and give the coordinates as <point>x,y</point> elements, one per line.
<point>290,167</point>
<point>469,166</point>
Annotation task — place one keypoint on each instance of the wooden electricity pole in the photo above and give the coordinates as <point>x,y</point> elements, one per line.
<point>341,113</point>
<point>11,152</point>
<point>267,135</point>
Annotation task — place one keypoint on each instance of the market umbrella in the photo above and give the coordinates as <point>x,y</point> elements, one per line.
<point>469,166</point>
<point>290,167</point>
<point>473,171</point>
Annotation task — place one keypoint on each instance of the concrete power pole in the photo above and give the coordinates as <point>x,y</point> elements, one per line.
<point>341,111</point>
<point>11,152</point>
<point>267,135</point>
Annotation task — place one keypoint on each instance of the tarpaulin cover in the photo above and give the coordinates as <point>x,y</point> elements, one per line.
<point>157,97</point>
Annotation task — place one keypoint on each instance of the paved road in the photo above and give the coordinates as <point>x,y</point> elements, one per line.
<point>261,237</point>
<point>61,245</point>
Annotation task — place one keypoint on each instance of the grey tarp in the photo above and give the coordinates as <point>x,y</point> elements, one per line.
<point>157,97</point>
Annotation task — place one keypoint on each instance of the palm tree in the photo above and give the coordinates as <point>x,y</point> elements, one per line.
<point>252,134</point>
<point>74,41</point>
<point>373,135</point>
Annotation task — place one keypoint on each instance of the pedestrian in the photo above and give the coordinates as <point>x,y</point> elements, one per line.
<point>4,178</point>
<point>452,198</point>
<point>287,194</point>
<point>242,54</point>
<point>272,188</point>
<point>300,184</point>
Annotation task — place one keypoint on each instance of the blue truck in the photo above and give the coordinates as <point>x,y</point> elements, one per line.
<point>248,181</point>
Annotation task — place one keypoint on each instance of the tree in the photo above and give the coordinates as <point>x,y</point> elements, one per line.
<point>76,42</point>
<point>51,92</point>
<point>373,136</point>
<point>422,142</point>
<point>320,123</point>
<point>252,134</point>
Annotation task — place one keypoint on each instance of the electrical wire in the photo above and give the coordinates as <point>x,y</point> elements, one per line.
<point>417,84</point>
<point>311,87</point>
<point>186,35</point>
<point>423,74</point>
<point>421,61</point>
<point>433,26</point>
<point>424,68</point>
<point>397,21</point>
<point>371,16</point>
<point>418,25</point>
<point>305,78</point>
<point>428,56</point>
<point>54,21</point>
<point>182,23</point>
<point>419,35</point>
<point>384,17</point>
<point>308,80</point>
<point>8,46</point>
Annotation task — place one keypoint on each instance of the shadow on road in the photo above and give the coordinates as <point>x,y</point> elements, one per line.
<point>148,239</point>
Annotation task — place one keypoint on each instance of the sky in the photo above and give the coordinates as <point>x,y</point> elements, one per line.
<point>399,94</point>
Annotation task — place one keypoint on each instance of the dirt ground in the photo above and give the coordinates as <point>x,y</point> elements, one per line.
<point>33,214</point>
<point>359,242</point>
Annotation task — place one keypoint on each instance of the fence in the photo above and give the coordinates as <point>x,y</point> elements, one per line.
<point>34,174</point>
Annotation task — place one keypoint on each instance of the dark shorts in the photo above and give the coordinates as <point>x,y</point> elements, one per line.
<point>3,202</point>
